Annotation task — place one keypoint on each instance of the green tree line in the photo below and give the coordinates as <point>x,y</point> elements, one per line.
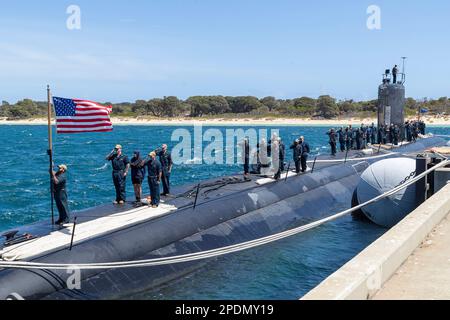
<point>325,107</point>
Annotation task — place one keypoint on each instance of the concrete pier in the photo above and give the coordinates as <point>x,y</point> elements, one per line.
<point>411,261</point>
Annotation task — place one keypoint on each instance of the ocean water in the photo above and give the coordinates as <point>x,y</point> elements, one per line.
<point>283,270</point>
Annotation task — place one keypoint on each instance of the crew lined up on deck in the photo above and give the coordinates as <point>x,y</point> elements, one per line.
<point>158,165</point>
<point>157,170</point>
<point>358,139</point>
<point>274,150</point>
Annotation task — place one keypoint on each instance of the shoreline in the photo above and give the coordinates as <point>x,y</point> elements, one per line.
<point>121,121</point>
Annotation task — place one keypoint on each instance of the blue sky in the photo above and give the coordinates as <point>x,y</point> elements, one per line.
<point>128,50</point>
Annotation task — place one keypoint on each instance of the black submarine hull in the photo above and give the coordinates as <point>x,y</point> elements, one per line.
<point>220,219</point>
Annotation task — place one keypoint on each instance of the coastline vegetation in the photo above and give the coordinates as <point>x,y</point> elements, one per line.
<point>211,107</point>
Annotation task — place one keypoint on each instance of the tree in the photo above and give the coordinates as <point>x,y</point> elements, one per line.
<point>243,104</point>
<point>346,106</point>
<point>411,104</point>
<point>218,105</point>
<point>154,107</point>
<point>199,106</point>
<point>171,106</point>
<point>271,103</point>
<point>327,107</point>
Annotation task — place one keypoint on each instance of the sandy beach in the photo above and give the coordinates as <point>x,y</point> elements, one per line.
<point>436,121</point>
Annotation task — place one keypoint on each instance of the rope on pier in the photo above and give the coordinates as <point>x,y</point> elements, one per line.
<point>219,251</point>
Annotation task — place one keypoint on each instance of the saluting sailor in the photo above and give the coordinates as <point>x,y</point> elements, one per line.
<point>121,165</point>
<point>154,171</point>
<point>59,181</point>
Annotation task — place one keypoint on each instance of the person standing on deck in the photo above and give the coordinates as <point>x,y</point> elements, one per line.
<point>332,135</point>
<point>165,158</point>
<point>296,148</point>
<point>282,148</point>
<point>373,133</point>
<point>341,134</point>
<point>121,165</point>
<point>394,73</point>
<point>306,150</point>
<point>348,138</point>
<point>154,171</point>
<point>396,135</point>
<point>363,136</point>
<point>137,175</point>
<point>59,181</point>
<point>391,133</point>
<point>246,156</point>
<point>352,135</point>
<point>358,138</point>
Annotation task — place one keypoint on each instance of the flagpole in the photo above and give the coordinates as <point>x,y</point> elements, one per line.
<point>50,149</point>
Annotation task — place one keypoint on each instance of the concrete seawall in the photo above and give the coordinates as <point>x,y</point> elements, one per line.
<point>364,276</point>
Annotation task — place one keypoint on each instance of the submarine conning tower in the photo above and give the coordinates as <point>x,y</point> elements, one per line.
<point>391,100</point>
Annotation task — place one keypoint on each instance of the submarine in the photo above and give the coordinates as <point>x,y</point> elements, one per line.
<point>217,213</point>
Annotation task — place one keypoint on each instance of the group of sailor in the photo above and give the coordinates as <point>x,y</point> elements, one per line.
<point>157,165</point>
<point>274,150</point>
<point>358,138</point>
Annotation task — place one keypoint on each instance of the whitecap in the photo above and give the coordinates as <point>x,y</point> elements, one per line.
<point>104,167</point>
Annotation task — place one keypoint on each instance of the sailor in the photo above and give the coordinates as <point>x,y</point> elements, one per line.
<point>121,165</point>
<point>394,73</point>
<point>264,159</point>
<point>422,127</point>
<point>415,131</point>
<point>341,134</point>
<point>280,149</point>
<point>351,136</point>
<point>408,131</point>
<point>165,158</point>
<point>373,133</point>
<point>391,133</point>
<point>154,171</point>
<point>396,135</point>
<point>137,175</point>
<point>296,148</point>
<point>381,134</point>
<point>385,134</point>
<point>282,152</point>
<point>306,150</point>
<point>332,135</point>
<point>59,181</point>
<point>348,138</point>
<point>246,157</point>
<point>256,163</point>
<point>358,138</point>
<point>276,158</point>
<point>363,131</point>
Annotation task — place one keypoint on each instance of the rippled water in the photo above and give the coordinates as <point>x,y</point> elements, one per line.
<point>284,270</point>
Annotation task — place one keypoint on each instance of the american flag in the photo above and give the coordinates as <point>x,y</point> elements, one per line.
<point>75,116</point>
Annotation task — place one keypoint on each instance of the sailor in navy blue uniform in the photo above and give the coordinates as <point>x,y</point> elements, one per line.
<point>332,135</point>
<point>59,181</point>
<point>296,148</point>
<point>154,170</point>
<point>121,165</point>
<point>165,158</point>
<point>341,134</point>
<point>306,150</point>
<point>137,174</point>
